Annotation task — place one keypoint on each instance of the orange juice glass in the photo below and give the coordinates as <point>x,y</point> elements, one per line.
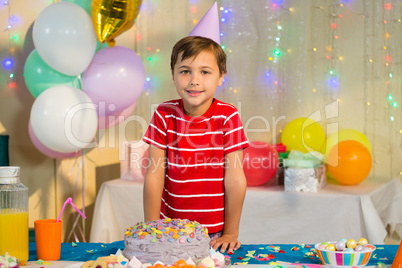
<point>14,234</point>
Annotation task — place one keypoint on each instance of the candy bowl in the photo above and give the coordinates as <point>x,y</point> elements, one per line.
<point>336,259</point>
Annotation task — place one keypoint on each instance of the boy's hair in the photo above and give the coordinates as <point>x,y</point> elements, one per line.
<point>192,46</point>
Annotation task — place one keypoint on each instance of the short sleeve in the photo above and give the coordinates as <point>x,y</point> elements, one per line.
<point>234,138</point>
<point>157,130</point>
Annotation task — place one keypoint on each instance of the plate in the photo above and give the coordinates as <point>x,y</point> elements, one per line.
<point>75,265</point>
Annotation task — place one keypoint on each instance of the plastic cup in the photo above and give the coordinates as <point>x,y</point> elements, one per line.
<point>48,239</point>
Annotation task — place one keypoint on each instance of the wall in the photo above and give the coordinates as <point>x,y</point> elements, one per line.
<point>348,37</point>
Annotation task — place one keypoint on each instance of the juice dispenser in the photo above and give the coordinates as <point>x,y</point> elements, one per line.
<point>13,215</point>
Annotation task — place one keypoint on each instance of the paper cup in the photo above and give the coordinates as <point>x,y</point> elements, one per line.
<point>48,239</point>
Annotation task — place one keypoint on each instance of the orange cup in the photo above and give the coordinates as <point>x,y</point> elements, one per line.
<point>48,239</point>
<point>398,258</point>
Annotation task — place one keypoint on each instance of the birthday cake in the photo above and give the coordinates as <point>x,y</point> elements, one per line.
<point>167,241</point>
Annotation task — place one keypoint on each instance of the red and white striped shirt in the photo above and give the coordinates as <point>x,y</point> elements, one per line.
<point>195,149</point>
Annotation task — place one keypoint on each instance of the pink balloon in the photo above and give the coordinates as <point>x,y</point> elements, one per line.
<point>115,79</point>
<point>115,119</point>
<point>260,163</point>
<point>46,151</point>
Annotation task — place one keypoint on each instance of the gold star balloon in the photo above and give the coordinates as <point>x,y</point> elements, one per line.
<point>113,17</point>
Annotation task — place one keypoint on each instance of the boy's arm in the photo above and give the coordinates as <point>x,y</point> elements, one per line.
<point>154,182</point>
<point>235,191</point>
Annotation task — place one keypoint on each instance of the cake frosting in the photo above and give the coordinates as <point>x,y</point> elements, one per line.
<point>167,240</point>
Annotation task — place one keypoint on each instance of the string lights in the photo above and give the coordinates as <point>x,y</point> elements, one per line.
<point>8,61</point>
<point>387,24</point>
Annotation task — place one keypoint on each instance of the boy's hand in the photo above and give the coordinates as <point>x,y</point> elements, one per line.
<point>226,241</point>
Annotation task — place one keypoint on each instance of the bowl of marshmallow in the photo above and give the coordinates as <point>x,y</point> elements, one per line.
<point>345,252</point>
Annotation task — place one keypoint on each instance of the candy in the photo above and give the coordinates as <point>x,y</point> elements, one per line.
<point>340,245</point>
<point>330,247</point>
<point>346,245</point>
<point>370,247</point>
<point>351,243</point>
<point>359,247</point>
<point>362,241</point>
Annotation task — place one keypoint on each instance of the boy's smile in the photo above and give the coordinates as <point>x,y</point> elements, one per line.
<point>196,79</point>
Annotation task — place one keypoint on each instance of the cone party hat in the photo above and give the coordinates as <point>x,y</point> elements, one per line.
<point>208,26</point>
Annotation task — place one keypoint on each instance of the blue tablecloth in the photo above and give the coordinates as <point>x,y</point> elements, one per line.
<point>250,254</point>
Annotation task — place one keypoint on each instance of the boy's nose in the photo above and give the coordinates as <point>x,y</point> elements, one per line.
<point>194,80</point>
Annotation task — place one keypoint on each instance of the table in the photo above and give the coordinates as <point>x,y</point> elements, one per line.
<point>271,215</point>
<point>292,253</point>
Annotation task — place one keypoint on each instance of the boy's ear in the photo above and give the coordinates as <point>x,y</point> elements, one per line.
<point>220,81</point>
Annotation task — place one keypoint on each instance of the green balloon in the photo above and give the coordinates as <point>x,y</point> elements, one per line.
<point>100,44</point>
<point>39,76</point>
<point>85,4</point>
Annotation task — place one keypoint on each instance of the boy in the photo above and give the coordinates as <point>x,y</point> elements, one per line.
<point>196,148</point>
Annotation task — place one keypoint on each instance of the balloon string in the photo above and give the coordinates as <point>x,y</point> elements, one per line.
<point>72,229</point>
<point>75,194</point>
<point>72,168</point>
<point>83,196</point>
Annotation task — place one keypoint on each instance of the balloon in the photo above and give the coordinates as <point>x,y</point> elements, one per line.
<point>65,38</point>
<point>115,79</point>
<point>46,151</point>
<point>115,119</point>
<point>39,76</point>
<point>111,18</point>
<point>305,135</point>
<point>260,163</point>
<point>351,162</point>
<point>64,119</point>
<point>101,45</point>
<point>85,4</point>
<point>347,134</point>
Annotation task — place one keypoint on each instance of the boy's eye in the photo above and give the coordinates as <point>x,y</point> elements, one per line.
<point>185,72</point>
<point>205,72</point>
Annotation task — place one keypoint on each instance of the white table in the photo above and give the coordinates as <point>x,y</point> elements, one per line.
<point>273,216</point>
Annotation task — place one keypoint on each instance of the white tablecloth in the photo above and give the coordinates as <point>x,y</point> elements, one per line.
<point>273,216</point>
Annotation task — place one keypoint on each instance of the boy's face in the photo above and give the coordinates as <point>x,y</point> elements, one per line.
<point>196,79</point>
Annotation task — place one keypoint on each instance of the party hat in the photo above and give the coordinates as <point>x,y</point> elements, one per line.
<point>208,26</point>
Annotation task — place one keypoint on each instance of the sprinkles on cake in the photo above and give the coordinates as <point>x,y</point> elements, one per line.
<point>174,228</point>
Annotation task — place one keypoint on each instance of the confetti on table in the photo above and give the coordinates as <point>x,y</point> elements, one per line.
<point>74,244</point>
<point>42,262</point>
<point>380,265</point>
<point>294,249</point>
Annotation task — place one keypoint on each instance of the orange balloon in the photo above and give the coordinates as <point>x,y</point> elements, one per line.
<point>349,162</point>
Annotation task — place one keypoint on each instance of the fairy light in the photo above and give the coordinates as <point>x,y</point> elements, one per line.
<point>8,61</point>
<point>387,50</point>
<point>226,15</point>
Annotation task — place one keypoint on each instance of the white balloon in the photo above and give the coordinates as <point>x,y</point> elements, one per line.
<point>64,119</point>
<point>65,38</point>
